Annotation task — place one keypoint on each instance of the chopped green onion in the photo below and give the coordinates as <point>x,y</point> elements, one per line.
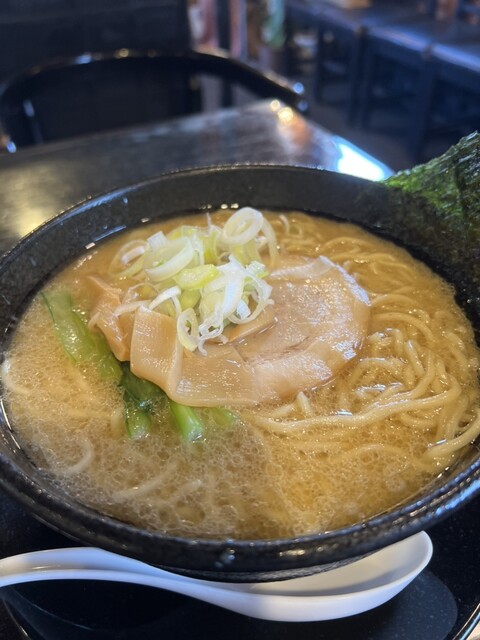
<point>210,245</point>
<point>257,269</point>
<point>242,227</point>
<point>183,231</point>
<point>128,261</point>
<point>189,299</point>
<point>214,273</point>
<point>196,277</point>
<point>171,259</point>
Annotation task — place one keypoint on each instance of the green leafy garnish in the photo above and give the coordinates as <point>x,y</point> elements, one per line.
<point>81,345</point>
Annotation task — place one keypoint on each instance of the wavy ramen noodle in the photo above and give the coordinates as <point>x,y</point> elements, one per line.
<point>399,411</point>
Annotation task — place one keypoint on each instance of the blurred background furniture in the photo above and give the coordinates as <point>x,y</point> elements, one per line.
<point>301,19</point>
<point>35,31</point>
<point>374,64</point>
<point>340,36</point>
<point>449,92</point>
<point>92,92</point>
<point>32,31</point>
<point>401,52</point>
<point>341,40</point>
<point>134,58</point>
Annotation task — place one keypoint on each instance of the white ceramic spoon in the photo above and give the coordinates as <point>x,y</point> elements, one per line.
<point>348,590</point>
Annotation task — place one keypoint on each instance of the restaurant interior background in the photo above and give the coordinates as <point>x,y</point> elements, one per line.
<point>374,71</point>
<point>401,79</point>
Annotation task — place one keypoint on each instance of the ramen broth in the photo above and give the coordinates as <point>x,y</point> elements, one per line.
<point>393,418</point>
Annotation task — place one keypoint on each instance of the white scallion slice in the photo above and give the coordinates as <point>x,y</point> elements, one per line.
<point>242,311</point>
<point>128,261</point>
<point>271,237</point>
<point>187,329</point>
<point>242,227</point>
<point>166,294</point>
<point>130,307</point>
<point>157,240</point>
<point>142,291</point>
<point>233,294</point>
<point>260,292</point>
<point>196,277</point>
<point>172,259</point>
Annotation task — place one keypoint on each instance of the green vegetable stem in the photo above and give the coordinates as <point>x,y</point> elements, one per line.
<point>140,397</point>
<point>81,345</point>
<point>187,421</point>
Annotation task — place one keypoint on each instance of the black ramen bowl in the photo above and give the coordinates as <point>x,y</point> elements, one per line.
<point>385,211</point>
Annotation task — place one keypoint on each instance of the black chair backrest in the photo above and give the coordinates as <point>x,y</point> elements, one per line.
<point>100,91</point>
<point>95,92</point>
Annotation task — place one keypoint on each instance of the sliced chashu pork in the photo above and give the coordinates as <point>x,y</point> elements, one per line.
<point>322,317</point>
<point>320,320</point>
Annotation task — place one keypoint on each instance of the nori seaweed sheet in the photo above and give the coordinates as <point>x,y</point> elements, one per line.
<point>435,210</point>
